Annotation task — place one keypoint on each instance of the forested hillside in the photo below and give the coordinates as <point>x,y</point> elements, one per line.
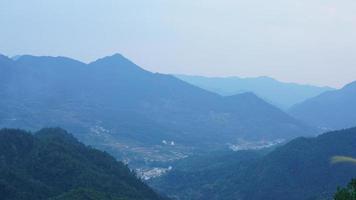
<point>52,164</point>
<point>298,170</point>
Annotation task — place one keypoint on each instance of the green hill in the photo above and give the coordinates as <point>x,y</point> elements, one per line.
<point>298,170</point>
<point>52,164</point>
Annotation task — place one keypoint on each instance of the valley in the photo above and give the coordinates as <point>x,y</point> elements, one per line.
<point>185,142</point>
<point>177,100</point>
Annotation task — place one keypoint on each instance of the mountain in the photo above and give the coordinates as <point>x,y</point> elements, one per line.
<point>281,94</point>
<point>115,105</point>
<point>329,110</point>
<point>298,170</point>
<point>52,164</point>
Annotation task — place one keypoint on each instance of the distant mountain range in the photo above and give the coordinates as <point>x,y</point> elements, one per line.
<point>298,170</point>
<point>281,94</point>
<point>115,105</point>
<point>330,110</point>
<point>52,164</point>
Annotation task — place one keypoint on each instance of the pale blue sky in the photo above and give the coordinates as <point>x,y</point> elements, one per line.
<point>305,41</point>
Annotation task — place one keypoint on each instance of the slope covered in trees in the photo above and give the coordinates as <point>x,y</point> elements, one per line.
<point>347,193</point>
<point>52,164</point>
<point>298,170</point>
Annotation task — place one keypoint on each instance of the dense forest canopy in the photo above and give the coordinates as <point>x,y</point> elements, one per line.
<point>52,164</point>
<point>299,170</point>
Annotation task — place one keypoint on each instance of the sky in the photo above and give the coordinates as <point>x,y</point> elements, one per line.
<point>303,41</point>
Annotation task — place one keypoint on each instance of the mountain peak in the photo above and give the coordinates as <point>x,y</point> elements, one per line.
<point>117,61</point>
<point>112,59</point>
<point>117,55</point>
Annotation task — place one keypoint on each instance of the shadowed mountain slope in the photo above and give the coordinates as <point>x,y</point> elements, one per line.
<point>114,104</point>
<point>298,170</point>
<point>281,94</point>
<point>52,164</point>
<point>330,110</point>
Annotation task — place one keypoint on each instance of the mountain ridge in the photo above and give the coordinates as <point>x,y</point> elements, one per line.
<point>281,94</point>
<point>112,102</point>
<point>329,110</point>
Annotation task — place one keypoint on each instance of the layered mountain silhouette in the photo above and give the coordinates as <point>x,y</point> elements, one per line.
<point>281,94</point>
<point>298,170</point>
<point>112,102</point>
<point>52,164</point>
<point>329,110</point>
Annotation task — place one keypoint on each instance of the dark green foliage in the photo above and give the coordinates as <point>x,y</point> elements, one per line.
<point>348,193</point>
<point>207,176</point>
<point>85,194</point>
<point>298,170</point>
<point>53,164</point>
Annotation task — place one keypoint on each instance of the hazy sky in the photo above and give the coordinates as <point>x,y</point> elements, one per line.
<point>305,41</point>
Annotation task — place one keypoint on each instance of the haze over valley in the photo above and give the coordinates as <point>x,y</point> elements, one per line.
<point>177,100</point>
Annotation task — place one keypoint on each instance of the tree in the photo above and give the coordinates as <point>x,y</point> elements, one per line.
<point>348,193</point>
